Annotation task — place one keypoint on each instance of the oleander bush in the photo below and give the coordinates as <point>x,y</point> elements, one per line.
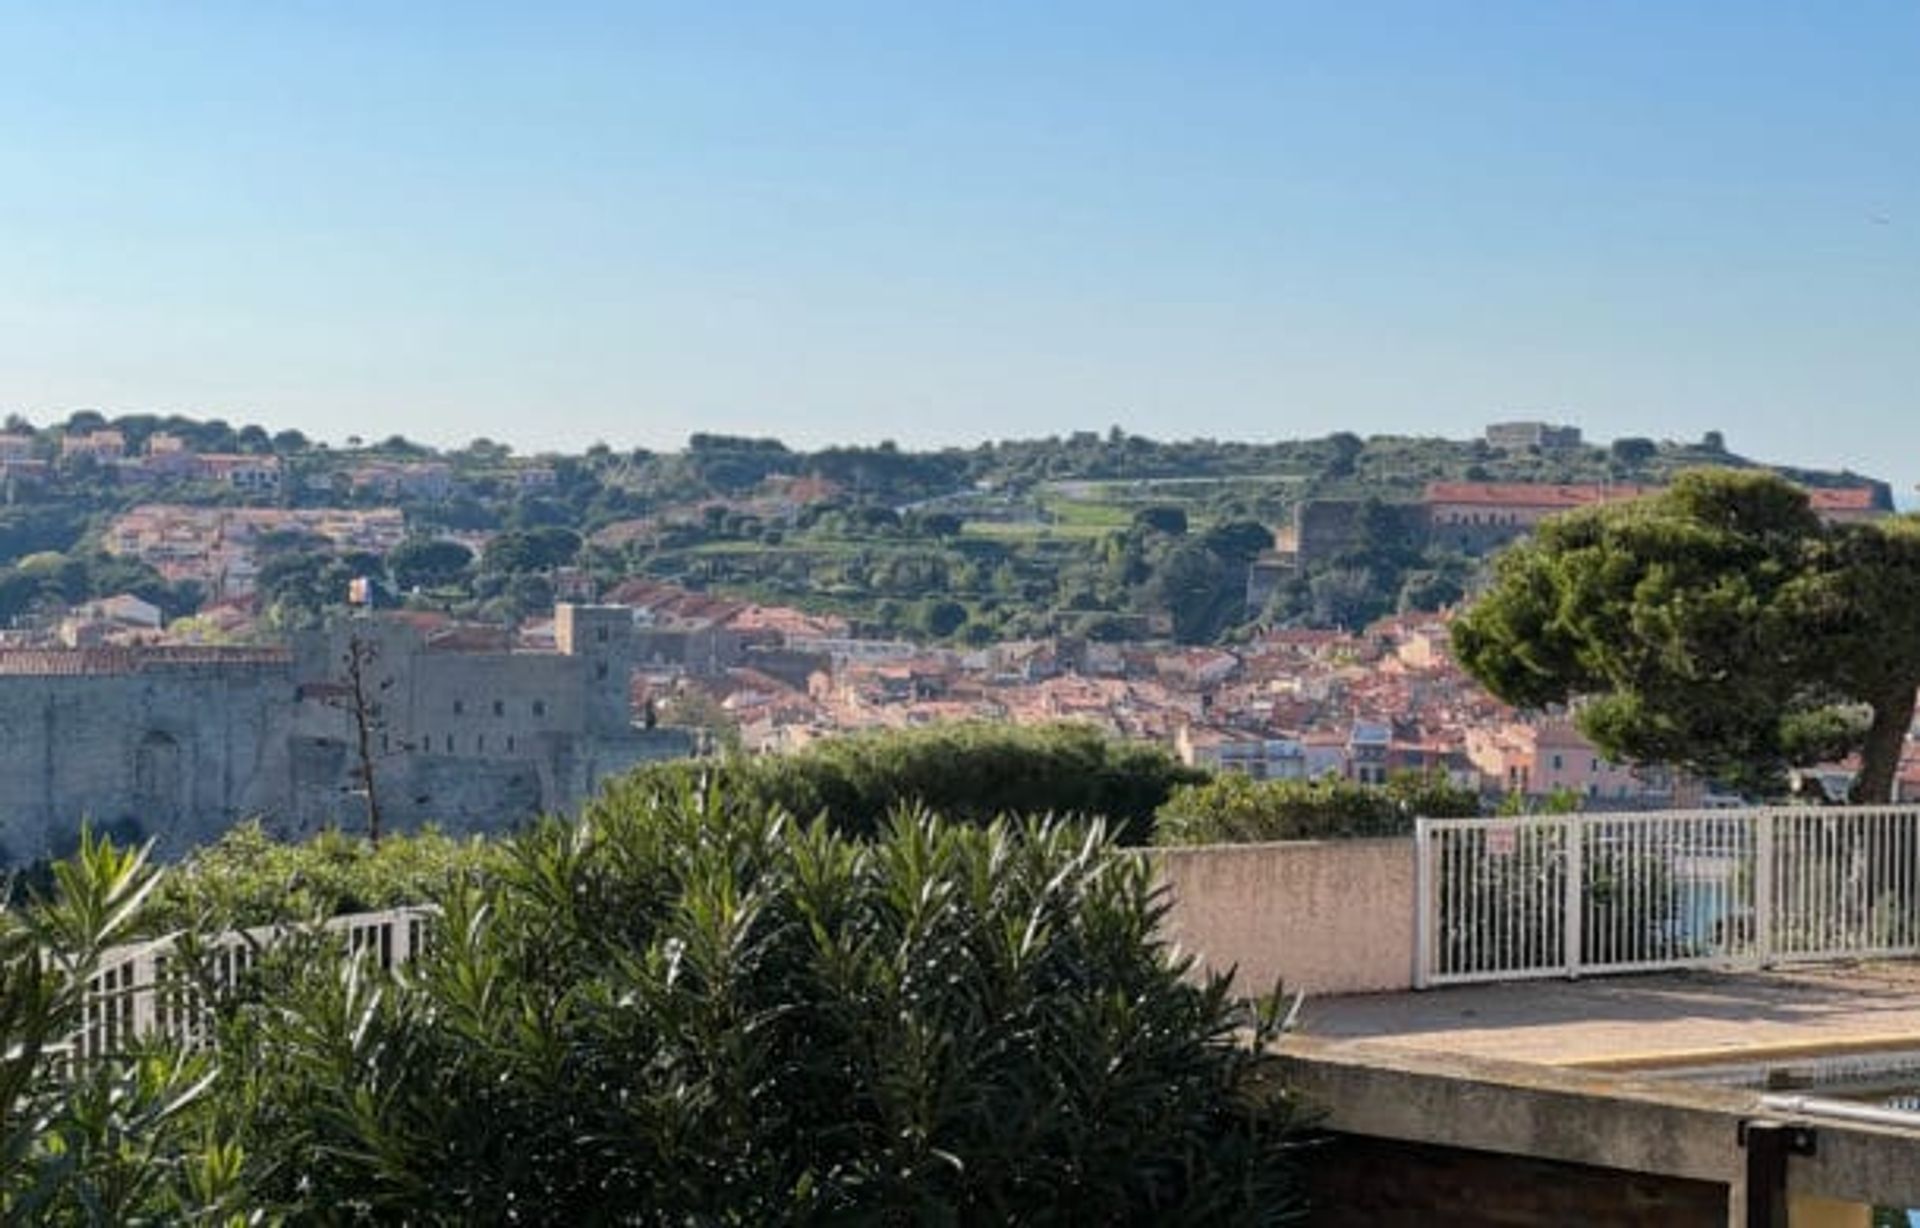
<point>688,1007</point>
<point>248,878</point>
<point>134,1140</point>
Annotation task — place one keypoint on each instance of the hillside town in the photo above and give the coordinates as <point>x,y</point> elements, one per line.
<point>1268,697</point>
<point>1287,704</point>
<point>650,615</point>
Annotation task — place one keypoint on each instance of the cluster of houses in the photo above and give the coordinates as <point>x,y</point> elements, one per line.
<point>167,457</point>
<point>218,546</point>
<point>1289,705</point>
<point>1292,704</point>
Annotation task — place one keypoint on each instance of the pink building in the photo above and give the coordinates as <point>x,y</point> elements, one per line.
<point>1534,760</point>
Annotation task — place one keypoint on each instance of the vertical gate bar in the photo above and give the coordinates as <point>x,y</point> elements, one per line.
<point>1422,902</point>
<point>1909,880</point>
<point>1473,862</point>
<point>1573,865</point>
<point>1645,835</point>
<point>1911,888</point>
<point>1763,869</point>
<point>1823,886</point>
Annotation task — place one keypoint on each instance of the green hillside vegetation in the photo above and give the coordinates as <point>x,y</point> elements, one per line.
<point>1028,537</point>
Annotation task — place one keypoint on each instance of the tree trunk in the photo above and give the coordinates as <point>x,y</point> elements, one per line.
<point>1886,737</point>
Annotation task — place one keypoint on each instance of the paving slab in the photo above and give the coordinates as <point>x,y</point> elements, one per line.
<point>1681,1018</point>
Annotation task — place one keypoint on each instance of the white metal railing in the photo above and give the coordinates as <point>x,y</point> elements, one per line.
<point>1572,895</point>
<point>147,990</point>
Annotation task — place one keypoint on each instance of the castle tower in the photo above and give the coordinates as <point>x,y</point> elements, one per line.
<point>602,637</point>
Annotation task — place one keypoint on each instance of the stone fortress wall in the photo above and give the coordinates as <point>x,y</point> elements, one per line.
<point>180,744</point>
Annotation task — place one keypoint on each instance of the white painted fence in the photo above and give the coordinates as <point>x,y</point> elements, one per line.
<point>1584,894</point>
<point>146,989</point>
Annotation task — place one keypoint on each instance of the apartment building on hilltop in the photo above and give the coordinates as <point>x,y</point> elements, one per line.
<point>1476,517</point>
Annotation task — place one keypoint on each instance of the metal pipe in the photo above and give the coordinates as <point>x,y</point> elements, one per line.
<point>1841,1110</point>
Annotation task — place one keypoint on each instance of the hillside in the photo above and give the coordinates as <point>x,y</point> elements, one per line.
<point>1105,535</point>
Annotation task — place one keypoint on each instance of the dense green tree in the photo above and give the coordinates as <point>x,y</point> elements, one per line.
<point>535,549</point>
<point>1425,591</point>
<point>1161,519</point>
<point>425,562</point>
<point>1719,626</point>
<point>1859,610</point>
<point>297,588</point>
<point>400,445</point>
<point>1238,541</point>
<point>530,594</point>
<point>1349,597</point>
<point>1344,448</point>
<point>941,618</point>
<point>1630,450</point>
<point>1200,592</point>
<point>938,524</point>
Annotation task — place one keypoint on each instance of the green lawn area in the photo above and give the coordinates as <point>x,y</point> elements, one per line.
<point>1085,513</point>
<point>812,547</point>
<point>1025,533</point>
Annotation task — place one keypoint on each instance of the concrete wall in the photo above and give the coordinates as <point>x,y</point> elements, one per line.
<point>1333,916</point>
<point>1352,1179</point>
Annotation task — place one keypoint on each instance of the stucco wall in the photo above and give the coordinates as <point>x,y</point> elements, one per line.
<point>1332,916</point>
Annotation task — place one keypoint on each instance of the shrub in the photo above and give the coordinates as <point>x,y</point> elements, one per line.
<point>120,1141</point>
<point>1235,809</point>
<point>683,1008</point>
<point>968,772</point>
<point>686,1008</point>
<point>248,878</point>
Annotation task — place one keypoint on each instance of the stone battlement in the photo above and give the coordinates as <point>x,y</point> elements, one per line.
<point>119,662</point>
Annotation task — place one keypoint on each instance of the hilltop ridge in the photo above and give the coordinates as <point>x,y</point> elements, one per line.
<point>1102,535</point>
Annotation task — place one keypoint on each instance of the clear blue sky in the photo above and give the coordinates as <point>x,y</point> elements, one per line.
<point>555,223</point>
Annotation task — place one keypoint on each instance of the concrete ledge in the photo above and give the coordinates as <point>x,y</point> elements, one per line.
<point>1747,1055</point>
<point>1586,1117</point>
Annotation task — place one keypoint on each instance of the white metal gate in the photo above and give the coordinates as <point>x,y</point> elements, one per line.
<point>1573,895</point>
<point>142,990</point>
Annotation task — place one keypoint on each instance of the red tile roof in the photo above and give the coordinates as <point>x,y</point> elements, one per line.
<point>1842,499</point>
<point>1532,494</point>
<point>1542,494</point>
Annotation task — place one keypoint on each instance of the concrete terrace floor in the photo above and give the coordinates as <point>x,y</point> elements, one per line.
<point>1679,1018</point>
